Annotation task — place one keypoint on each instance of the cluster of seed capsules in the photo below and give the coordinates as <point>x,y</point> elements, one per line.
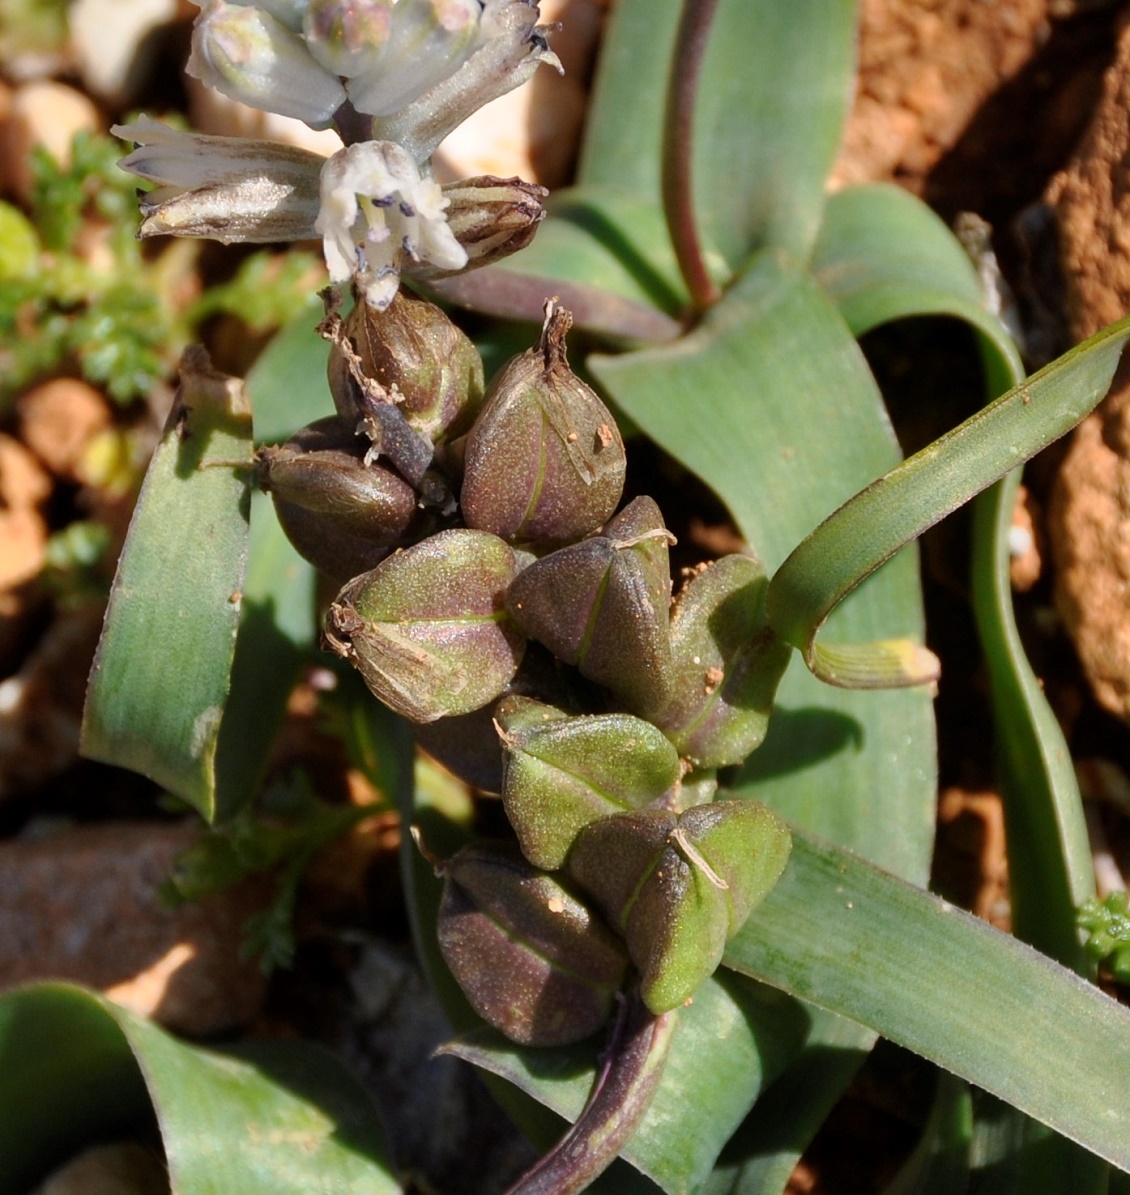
<point>493,595</point>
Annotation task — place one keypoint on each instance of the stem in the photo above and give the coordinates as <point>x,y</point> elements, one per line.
<point>627,1077</point>
<point>352,126</point>
<point>678,144</point>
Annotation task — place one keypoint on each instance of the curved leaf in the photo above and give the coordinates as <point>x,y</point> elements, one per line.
<point>775,90</point>
<point>870,528</point>
<point>883,255</point>
<point>162,672</point>
<point>266,1118</point>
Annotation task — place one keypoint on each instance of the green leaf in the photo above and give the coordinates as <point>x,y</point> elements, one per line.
<point>762,1154</point>
<point>775,89</point>
<point>869,529</point>
<point>276,632</point>
<point>162,671</point>
<point>883,255</point>
<point>623,132</point>
<point>287,389</point>
<point>265,1118</point>
<point>940,1162</point>
<point>1011,1154</point>
<point>850,938</point>
<point>287,385</point>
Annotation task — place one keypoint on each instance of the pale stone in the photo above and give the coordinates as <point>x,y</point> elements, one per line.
<point>58,419</point>
<point>85,905</point>
<point>43,113</point>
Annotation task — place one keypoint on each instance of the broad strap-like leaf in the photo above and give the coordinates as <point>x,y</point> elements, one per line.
<point>287,389</point>
<point>883,256</point>
<point>856,940</point>
<point>266,1118</point>
<point>162,671</point>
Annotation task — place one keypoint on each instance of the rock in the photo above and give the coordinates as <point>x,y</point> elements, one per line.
<point>1089,513</point>
<point>23,533</point>
<point>58,419</point>
<point>1091,200</point>
<point>1026,547</point>
<point>41,705</point>
<point>84,905</point>
<point>925,69</point>
<point>1089,528</point>
<point>121,1168</point>
<point>42,113</point>
<point>112,43</point>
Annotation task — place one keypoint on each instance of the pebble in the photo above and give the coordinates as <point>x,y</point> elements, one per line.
<point>41,113</point>
<point>58,419</point>
<point>84,905</point>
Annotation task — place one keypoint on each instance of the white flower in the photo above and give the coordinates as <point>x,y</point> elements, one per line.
<point>377,209</point>
<point>374,208</point>
<point>428,41</point>
<point>396,76</point>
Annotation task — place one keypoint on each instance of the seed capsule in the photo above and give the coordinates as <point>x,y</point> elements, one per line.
<point>560,773</point>
<point>532,959</point>
<point>602,605</point>
<point>341,514</point>
<point>409,356</point>
<point>726,664</point>
<point>427,628</point>
<point>678,887</point>
<point>544,462</point>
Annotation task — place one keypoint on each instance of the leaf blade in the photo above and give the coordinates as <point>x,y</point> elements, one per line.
<point>175,602</point>
<point>851,938</point>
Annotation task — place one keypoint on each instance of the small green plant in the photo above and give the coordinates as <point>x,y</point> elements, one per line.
<point>712,895</point>
<point>76,288</point>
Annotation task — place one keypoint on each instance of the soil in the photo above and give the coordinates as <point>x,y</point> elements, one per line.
<point>1013,111</point>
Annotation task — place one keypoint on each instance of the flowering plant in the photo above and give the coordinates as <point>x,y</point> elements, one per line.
<point>712,840</point>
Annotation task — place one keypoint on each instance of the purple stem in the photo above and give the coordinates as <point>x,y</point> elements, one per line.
<point>626,1080</point>
<point>678,144</point>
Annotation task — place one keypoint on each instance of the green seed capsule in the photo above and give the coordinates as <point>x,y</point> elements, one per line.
<point>532,959</point>
<point>726,664</point>
<point>560,773</point>
<point>602,605</point>
<point>544,462</point>
<point>427,628</point>
<point>678,887</point>
<point>341,514</point>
